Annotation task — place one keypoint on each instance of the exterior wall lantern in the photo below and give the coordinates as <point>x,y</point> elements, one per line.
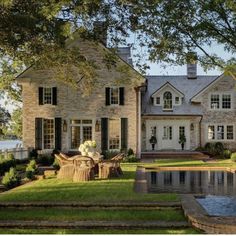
<point>97,126</point>
<point>64,126</point>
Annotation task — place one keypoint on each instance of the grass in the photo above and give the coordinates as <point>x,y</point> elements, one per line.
<point>117,189</point>
<point>51,214</point>
<point>99,231</point>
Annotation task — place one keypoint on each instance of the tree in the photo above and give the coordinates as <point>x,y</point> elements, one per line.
<point>172,29</point>
<point>32,30</point>
<point>4,119</point>
<point>15,127</point>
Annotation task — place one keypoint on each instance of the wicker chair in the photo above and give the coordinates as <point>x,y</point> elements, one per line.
<point>84,169</point>
<point>111,168</point>
<point>67,168</point>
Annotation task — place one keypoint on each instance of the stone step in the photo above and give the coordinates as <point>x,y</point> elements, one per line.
<point>93,224</point>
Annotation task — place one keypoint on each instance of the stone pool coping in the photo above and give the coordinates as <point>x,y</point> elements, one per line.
<point>200,219</point>
<point>194,212</point>
<point>189,168</point>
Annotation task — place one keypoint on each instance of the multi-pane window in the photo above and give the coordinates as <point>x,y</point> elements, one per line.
<point>220,101</point>
<point>220,132</point>
<point>230,132</point>
<point>114,134</point>
<point>158,100</point>
<point>211,132</point>
<point>167,98</point>
<point>114,96</point>
<point>215,101</point>
<point>47,95</point>
<point>181,131</point>
<point>177,100</point>
<point>226,101</point>
<point>167,133</point>
<point>48,133</point>
<point>81,131</point>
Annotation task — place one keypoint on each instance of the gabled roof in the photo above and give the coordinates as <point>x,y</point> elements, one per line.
<point>29,69</point>
<point>196,96</point>
<point>166,85</point>
<point>189,87</point>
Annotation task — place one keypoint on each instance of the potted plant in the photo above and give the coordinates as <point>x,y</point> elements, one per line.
<point>153,141</point>
<point>182,140</point>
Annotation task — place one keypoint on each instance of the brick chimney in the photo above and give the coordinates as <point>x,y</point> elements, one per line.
<point>192,65</point>
<point>100,31</point>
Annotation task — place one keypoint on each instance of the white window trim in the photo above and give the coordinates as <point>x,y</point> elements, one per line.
<point>109,135</point>
<point>48,118</point>
<point>225,132</point>
<point>44,96</point>
<point>162,101</point>
<point>118,96</point>
<point>220,101</point>
<point>81,125</point>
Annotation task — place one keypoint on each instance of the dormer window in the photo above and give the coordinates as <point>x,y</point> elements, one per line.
<point>167,98</point>
<point>177,100</point>
<point>158,101</point>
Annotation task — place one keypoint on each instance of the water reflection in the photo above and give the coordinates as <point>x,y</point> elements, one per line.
<point>198,182</point>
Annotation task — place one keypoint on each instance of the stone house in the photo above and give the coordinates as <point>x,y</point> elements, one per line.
<point>57,116</point>
<point>126,110</point>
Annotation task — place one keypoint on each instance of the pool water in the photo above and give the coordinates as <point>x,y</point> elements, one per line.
<point>218,205</point>
<point>192,182</point>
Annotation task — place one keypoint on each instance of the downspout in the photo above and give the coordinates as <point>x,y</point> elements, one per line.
<point>138,124</point>
<point>200,131</point>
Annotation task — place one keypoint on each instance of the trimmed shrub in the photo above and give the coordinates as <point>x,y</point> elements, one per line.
<point>131,158</point>
<point>130,152</point>
<point>33,154</point>
<point>226,154</point>
<point>45,160</point>
<point>10,156</point>
<point>31,170</point>
<point>6,164</point>
<point>218,148</point>
<point>56,164</point>
<point>109,154</point>
<point>11,179</point>
<point>233,156</point>
<point>209,147</point>
<point>200,149</point>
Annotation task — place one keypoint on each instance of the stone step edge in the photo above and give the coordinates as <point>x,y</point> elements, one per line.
<point>88,204</point>
<point>93,224</point>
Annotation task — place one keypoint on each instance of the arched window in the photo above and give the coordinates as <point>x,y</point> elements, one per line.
<point>167,97</point>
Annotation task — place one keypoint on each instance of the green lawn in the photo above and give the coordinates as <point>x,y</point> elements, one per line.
<point>99,231</point>
<point>117,189</point>
<point>51,214</point>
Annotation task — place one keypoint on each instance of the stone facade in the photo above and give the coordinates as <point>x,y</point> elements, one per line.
<point>71,104</point>
<point>225,84</point>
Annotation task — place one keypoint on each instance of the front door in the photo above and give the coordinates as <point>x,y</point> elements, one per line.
<point>167,137</point>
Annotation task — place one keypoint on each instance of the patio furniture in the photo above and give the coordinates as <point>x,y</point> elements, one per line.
<point>67,168</point>
<point>84,168</point>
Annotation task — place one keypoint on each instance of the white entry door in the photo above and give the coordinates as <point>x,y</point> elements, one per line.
<point>167,137</point>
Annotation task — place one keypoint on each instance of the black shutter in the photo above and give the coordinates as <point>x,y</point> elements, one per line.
<point>58,133</point>
<point>104,134</point>
<point>107,96</point>
<point>54,96</point>
<point>38,133</point>
<point>40,95</point>
<point>122,95</point>
<point>124,133</point>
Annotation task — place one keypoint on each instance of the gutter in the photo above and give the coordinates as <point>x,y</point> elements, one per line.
<point>200,131</point>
